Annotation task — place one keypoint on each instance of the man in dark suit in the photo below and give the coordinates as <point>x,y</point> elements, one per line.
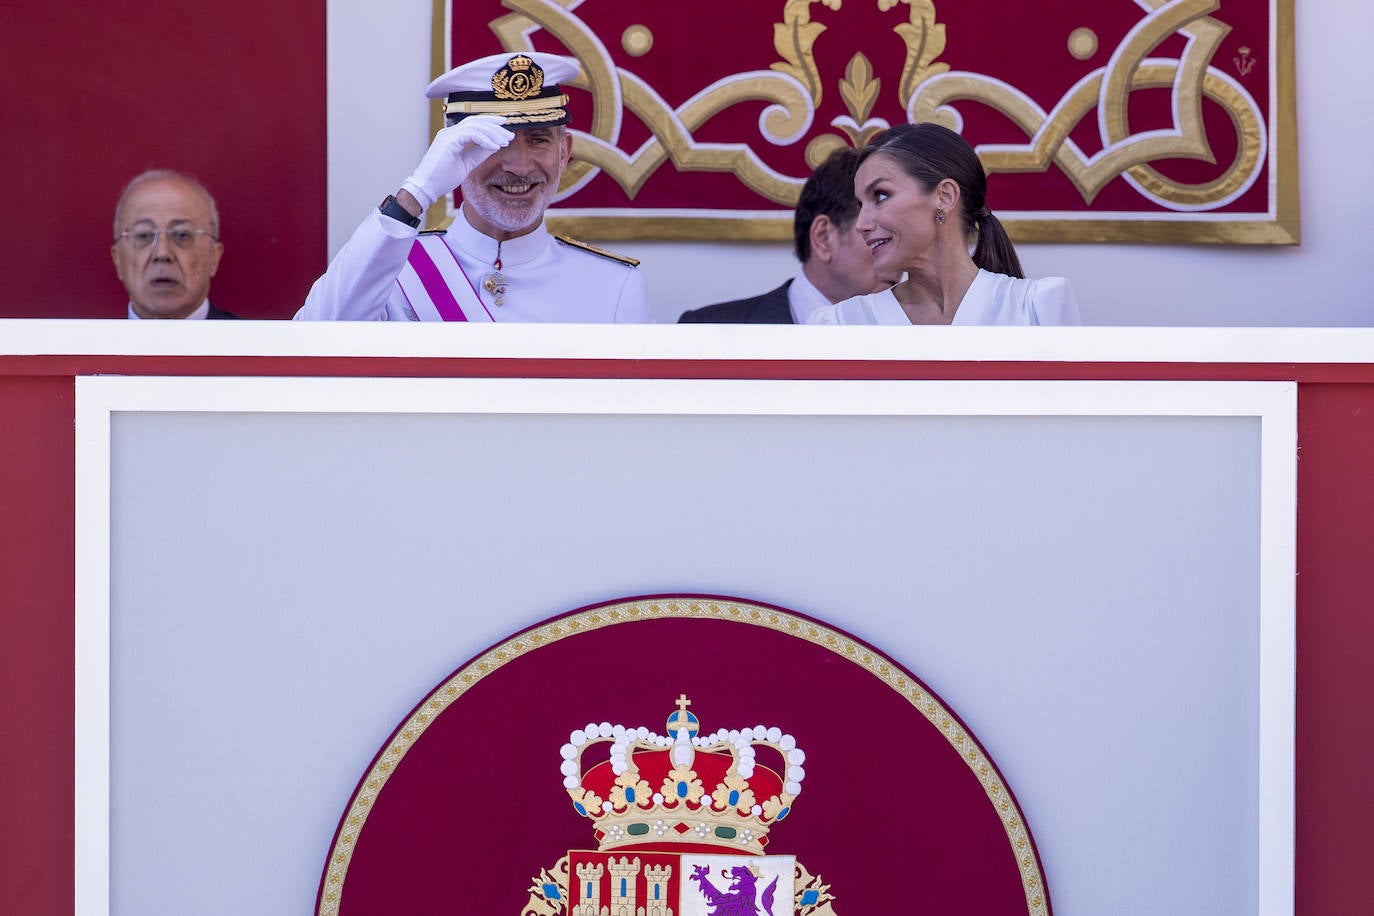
<point>167,246</point>
<point>835,261</point>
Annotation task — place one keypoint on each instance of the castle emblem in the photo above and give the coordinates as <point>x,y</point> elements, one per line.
<point>681,820</point>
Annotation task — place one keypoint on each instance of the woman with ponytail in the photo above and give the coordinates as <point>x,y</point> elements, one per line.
<point>922,193</point>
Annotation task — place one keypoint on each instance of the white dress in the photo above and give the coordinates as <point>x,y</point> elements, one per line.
<point>991,299</point>
<point>545,279</point>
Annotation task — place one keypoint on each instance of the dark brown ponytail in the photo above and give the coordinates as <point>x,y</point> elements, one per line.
<point>994,250</point>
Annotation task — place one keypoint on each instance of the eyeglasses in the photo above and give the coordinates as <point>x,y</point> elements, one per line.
<point>178,236</point>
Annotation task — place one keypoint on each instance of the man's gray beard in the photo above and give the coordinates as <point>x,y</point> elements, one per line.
<point>513,217</point>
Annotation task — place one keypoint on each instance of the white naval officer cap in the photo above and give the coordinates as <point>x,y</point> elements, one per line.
<point>522,87</point>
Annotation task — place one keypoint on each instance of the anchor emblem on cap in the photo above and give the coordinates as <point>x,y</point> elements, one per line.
<point>521,78</point>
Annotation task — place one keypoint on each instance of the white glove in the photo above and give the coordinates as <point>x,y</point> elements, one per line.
<point>455,152</point>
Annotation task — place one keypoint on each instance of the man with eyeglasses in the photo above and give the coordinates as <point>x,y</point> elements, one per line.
<point>167,246</point>
<point>506,145</point>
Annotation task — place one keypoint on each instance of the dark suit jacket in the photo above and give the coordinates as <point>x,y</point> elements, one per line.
<point>770,308</point>
<point>219,313</point>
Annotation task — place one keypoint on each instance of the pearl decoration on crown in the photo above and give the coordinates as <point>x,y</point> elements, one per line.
<point>707,785</point>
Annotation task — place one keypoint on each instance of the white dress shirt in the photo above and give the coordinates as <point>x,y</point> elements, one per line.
<point>804,299</point>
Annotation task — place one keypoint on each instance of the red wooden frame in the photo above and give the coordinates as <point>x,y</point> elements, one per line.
<point>1335,526</point>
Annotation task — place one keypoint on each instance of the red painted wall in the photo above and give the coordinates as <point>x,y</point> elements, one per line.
<point>1335,593</point>
<point>37,610</point>
<point>95,93</point>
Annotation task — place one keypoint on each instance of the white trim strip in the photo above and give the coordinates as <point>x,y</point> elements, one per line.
<point>91,655</point>
<point>87,337</point>
<point>1277,806</point>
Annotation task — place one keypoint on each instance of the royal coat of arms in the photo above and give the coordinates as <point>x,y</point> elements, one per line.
<point>683,730</point>
<point>682,820</point>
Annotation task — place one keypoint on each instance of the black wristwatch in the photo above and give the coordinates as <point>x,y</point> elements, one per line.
<point>392,207</point>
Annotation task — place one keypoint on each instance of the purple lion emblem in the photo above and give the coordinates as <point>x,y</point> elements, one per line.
<point>741,899</point>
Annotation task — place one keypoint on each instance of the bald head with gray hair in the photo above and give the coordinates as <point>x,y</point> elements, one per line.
<point>166,245</point>
<point>166,175</point>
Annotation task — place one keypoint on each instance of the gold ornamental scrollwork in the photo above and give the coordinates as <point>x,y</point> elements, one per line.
<point>1107,91</point>
<point>794,38</point>
<point>793,88</point>
<point>925,41</point>
<point>859,89</point>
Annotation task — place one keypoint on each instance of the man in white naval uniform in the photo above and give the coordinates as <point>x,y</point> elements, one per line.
<point>506,145</point>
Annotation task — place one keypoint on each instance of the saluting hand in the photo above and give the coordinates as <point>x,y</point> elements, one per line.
<point>455,152</point>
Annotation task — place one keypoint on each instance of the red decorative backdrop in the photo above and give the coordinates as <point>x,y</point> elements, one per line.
<point>1138,114</point>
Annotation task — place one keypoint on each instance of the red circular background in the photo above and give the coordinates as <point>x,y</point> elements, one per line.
<point>890,811</point>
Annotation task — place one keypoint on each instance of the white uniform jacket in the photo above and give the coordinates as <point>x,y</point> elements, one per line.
<point>991,299</point>
<point>544,279</point>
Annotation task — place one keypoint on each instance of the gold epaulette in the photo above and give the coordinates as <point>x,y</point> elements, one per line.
<point>623,259</point>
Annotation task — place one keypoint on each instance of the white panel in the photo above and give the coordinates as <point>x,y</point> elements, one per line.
<point>1096,576</point>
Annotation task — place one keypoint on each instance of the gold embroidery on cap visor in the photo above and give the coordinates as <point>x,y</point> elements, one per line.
<point>545,110</point>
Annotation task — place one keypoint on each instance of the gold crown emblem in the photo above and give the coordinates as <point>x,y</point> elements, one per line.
<point>684,787</point>
<point>521,78</point>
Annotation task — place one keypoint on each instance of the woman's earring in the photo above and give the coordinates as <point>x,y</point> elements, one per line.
<point>939,215</point>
